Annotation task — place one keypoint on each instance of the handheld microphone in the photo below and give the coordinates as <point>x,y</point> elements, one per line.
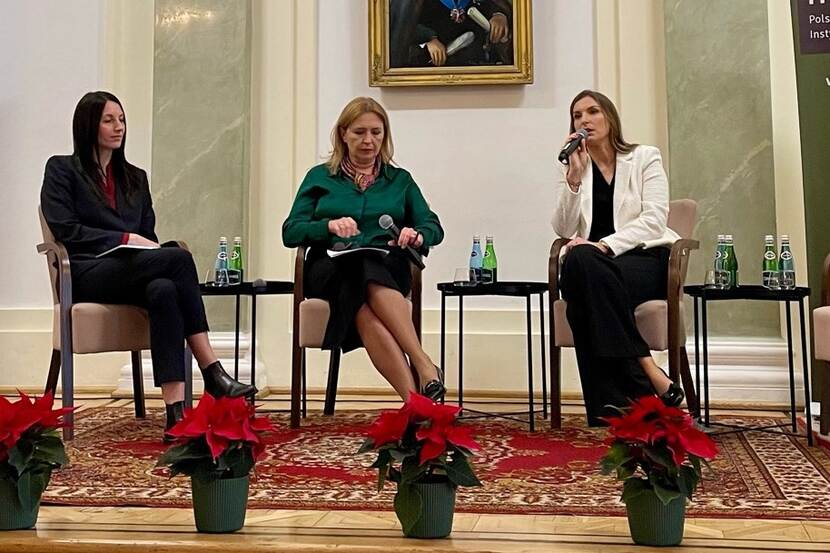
<point>571,146</point>
<point>387,224</point>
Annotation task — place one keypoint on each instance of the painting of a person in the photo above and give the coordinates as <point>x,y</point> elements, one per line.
<point>436,33</point>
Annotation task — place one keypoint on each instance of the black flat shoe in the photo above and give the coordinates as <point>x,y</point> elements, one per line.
<point>435,389</point>
<point>674,396</point>
<point>218,383</point>
<point>175,413</point>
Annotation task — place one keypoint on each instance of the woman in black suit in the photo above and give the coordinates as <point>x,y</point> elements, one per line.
<point>95,200</point>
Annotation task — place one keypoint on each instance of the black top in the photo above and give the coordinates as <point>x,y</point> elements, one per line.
<point>82,219</point>
<point>602,220</point>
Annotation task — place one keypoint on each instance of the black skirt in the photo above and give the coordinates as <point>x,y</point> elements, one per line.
<point>342,281</point>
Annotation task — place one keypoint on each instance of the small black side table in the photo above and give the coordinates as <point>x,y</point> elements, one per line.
<point>702,295</point>
<point>252,289</point>
<point>514,289</point>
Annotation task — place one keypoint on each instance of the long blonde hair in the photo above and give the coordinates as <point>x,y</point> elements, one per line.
<point>352,111</point>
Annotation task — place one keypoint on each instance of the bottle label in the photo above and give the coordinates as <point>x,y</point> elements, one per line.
<point>786,256</point>
<point>222,255</point>
<point>769,255</point>
<point>718,254</point>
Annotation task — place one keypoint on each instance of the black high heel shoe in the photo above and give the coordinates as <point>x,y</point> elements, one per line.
<point>175,413</point>
<point>435,389</point>
<point>218,383</point>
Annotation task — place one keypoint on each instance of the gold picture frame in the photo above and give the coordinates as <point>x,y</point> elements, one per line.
<point>484,63</point>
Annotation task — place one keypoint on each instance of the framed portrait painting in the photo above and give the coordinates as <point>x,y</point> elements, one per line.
<point>450,42</point>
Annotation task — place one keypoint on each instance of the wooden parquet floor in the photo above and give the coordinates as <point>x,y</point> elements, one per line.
<point>110,529</point>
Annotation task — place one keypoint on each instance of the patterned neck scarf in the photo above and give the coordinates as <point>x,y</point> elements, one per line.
<point>362,180</point>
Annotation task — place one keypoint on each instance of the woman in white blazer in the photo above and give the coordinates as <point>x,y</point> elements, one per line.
<point>612,198</point>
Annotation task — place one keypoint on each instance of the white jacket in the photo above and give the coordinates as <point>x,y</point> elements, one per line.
<point>641,203</point>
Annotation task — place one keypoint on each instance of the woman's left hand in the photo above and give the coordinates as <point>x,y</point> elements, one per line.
<point>578,241</point>
<point>408,237</point>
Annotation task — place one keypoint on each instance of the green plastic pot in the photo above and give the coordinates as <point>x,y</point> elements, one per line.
<point>653,523</point>
<point>438,506</point>
<point>219,505</point>
<point>13,516</point>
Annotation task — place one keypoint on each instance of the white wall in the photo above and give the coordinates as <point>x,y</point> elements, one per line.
<point>484,155</point>
<point>49,56</point>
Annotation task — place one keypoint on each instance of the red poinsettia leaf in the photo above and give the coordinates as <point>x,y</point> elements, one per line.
<point>262,424</point>
<point>424,408</point>
<point>389,427</point>
<point>431,450</point>
<point>461,436</point>
<point>698,443</point>
<point>216,443</point>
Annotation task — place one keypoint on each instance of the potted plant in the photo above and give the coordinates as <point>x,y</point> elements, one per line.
<point>30,448</point>
<point>657,452</point>
<point>217,444</point>
<point>422,448</point>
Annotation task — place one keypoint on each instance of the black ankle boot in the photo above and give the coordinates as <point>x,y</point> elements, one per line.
<point>674,396</point>
<point>218,383</point>
<point>175,413</point>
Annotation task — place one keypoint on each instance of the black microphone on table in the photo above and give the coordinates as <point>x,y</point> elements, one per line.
<point>387,224</point>
<point>571,146</point>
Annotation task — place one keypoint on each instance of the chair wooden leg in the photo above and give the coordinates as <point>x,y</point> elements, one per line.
<point>138,385</point>
<point>331,387</point>
<point>692,401</point>
<point>67,392</point>
<point>54,371</point>
<point>305,387</point>
<point>296,370</point>
<point>824,422</point>
<point>555,384</point>
<point>188,376</point>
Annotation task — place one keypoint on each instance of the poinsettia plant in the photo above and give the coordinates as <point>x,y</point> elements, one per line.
<point>655,447</point>
<point>220,438</point>
<point>420,442</point>
<point>30,445</point>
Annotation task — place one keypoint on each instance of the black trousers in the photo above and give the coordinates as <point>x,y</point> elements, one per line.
<point>602,293</point>
<point>163,281</point>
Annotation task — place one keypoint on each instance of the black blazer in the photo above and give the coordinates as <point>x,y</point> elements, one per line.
<point>82,219</point>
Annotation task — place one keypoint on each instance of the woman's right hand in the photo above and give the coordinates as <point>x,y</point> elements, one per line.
<point>138,240</point>
<point>577,162</point>
<point>344,227</point>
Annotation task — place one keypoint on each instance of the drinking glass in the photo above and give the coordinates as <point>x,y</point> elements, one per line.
<point>462,277</point>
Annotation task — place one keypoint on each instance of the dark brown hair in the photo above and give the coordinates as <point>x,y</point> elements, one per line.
<point>611,115</point>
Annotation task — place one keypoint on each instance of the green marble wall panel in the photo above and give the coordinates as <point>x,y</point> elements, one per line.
<point>720,141</point>
<point>201,119</point>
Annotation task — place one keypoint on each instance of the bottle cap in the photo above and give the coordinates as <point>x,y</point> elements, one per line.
<point>476,237</point>
<point>489,237</point>
<point>237,239</point>
<point>785,237</point>
<point>223,238</point>
<point>728,237</point>
<point>721,237</point>
<point>769,237</point>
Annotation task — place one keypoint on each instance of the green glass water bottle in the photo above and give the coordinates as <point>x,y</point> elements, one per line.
<point>489,265</point>
<point>730,262</point>
<point>235,264</point>
<point>769,265</point>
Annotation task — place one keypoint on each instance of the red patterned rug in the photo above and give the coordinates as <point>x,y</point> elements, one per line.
<point>547,472</point>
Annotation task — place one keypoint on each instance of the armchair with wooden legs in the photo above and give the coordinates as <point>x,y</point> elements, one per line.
<point>821,334</point>
<point>660,322</point>
<point>90,328</point>
<point>310,319</point>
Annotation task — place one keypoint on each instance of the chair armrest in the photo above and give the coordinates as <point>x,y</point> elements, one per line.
<point>825,282</point>
<point>679,264</point>
<point>553,267</point>
<point>299,268</point>
<point>62,288</point>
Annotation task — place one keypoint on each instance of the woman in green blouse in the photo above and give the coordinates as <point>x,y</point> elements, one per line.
<point>341,201</point>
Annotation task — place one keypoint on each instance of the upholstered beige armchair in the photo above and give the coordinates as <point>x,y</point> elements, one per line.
<point>90,328</point>
<point>821,334</point>
<point>311,317</point>
<point>659,321</point>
